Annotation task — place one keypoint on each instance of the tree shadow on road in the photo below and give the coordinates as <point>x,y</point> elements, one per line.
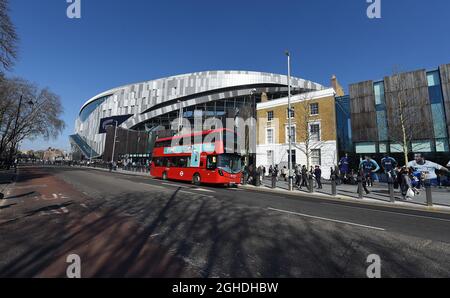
<point>179,235</point>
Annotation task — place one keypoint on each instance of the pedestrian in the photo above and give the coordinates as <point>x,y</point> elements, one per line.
<point>304,177</point>
<point>389,164</point>
<point>284,173</point>
<point>344,167</point>
<point>407,184</point>
<point>318,176</point>
<point>275,173</point>
<point>369,167</point>
<point>298,176</point>
<point>426,168</point>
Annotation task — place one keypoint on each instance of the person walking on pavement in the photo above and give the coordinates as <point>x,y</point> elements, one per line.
<point>298,177</point>
<point>318,175</point>
<point>426,168</point>
<point>275,172</point>
<point>369,167</point>
<point>344,167</point>
<point>389,164</point>
<point>304,177</point>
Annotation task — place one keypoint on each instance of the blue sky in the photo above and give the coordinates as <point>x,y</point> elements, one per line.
<point>119,42</point>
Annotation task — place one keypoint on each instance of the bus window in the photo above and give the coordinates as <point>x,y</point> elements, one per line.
<point>211,162</point>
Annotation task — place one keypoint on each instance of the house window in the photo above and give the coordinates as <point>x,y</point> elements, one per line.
<point>269,115</point>
<point>292,112</point>
<point>270,136</point>
<point>316,157</point>
<point>314,130</point>
<point>293,157</point>
<point>292,134</point>
<point>314,108</point>
<point>270,159</point>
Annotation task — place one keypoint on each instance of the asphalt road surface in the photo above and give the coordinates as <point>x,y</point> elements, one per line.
<point>130,226</point>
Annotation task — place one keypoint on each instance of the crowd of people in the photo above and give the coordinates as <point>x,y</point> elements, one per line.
<point>417,174</point>
<point>409,179</point>
<point>300,174</point>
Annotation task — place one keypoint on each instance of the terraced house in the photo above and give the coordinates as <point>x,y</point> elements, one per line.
<point>313,130</point>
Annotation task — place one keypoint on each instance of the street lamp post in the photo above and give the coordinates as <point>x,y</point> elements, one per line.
<point>291,178</point>
<point>114,142</point>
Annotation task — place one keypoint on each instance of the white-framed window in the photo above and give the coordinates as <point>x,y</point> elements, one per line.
<point>269,115</point>
<point>316,157</point>
<point>314,109</point>
<point>270,158</point>
<point>315,131</point>
<point>270,134</point>
<point>292,133</point>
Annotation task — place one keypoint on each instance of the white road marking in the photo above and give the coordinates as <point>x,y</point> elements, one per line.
<point>328,219</point>
<point>396,213</point>
<point>196,194</point>
<point>202,189</point>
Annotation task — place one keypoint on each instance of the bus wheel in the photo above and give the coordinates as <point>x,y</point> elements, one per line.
<point>196,180</point>
<point>164,176</point>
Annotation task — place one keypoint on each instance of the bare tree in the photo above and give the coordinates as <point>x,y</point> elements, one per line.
<point>407,110</point>
<point>308,140</point>
<point>8,38</point>
<point>27,112</point>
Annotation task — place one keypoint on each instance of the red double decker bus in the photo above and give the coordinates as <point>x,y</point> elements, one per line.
<point>198,157</point>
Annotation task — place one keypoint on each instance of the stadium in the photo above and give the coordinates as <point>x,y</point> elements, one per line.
<point>150,106</point>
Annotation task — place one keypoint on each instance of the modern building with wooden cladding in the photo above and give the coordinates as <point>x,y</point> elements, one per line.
<point>369,118</point>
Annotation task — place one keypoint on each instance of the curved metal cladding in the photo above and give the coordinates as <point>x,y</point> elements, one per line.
<point>144,101</point>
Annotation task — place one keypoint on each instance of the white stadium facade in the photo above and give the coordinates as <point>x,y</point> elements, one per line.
<point>147,105</point>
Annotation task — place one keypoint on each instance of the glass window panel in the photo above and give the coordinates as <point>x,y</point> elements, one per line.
<point>365,148</point>
<point>379,93</point>
<point>382,126</point>
<point>314,108</point>
<point>421,146</point>
<point>440,127</point>
<point>442,145</point>
<point>396,148</point>
<point>270,136</point>
<point>316,157</point>
<point>383,148</point>
<point>433,78</point>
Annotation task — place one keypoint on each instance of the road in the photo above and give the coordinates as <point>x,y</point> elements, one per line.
<point>130,226</point>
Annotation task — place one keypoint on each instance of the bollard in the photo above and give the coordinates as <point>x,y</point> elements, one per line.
<point>391,190</point>
<point>333,187</point>
<point>360,190</point>
<point>310,185</point>
<point>428,194</point>
<point>257,180</point>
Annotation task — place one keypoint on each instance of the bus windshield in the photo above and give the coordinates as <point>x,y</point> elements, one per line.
<point>230,163</point>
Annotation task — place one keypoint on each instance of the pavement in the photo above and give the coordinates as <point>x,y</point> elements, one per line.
<point>379,193</point>
<point>134,226</point>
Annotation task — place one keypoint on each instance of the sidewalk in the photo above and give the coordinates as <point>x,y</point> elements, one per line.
<point>379,195</point>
